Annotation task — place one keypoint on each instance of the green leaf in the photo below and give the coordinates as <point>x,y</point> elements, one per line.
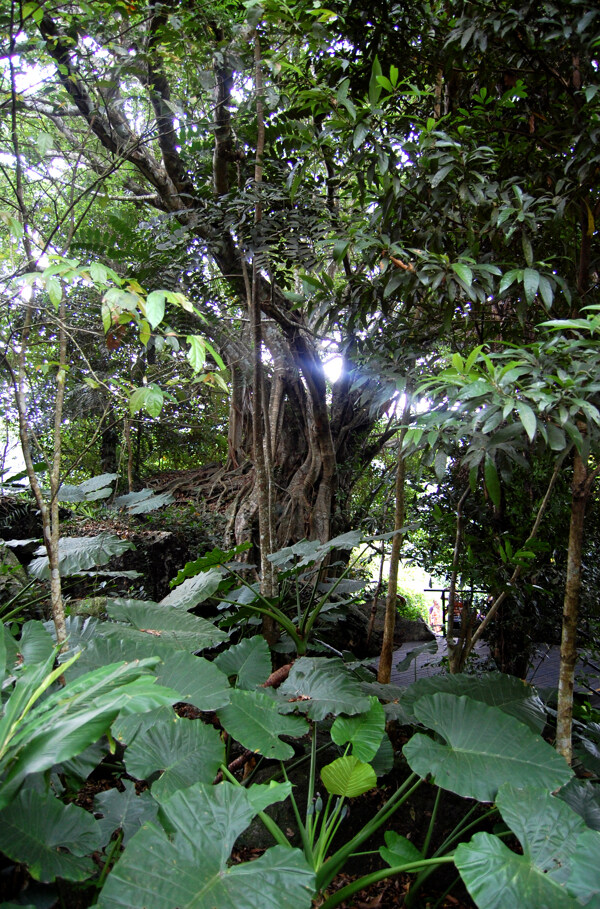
<point>440,175</point>
<point>360,134</point>
<point>348,776</point>
<point>546,291</point>
<point>528,419</point>
<point>194,590</point>
<point>364,731</point>
<point>78,554</point>
<point>36,644</point>
<point>155,308</point>
<point>196,355</point>
<point>325,686</point>
<point>125,811</point>
<point>556,437</point>
<point>55,292</point>
<point>197,680</point>
<point>492,482</point>
<point>531,282</point>
<point>545,826</point>
<point>557,850</point>
<point>463,272</point>
<point>506,692</point>
<point>252,718</point>
<point>340,248</point>
<point>193,869</point>
<point>143,501</point>
<point>440,463</point>
<point>167,622</point>
<point>485,748</point>
<point>374,86</point>
<point>583,797</point>
<point>98,273</point>
<point>398,850</point>
<point>527,249</point>
<point>183,751</point>
<point>52,839</point>
<point>497,878</point>
<point>249,661</point>
<point>149,398</point>
<point>509,278</point>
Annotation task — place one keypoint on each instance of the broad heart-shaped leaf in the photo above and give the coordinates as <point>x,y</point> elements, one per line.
<point>194,590</point>
<point>253,719</point>
<point>199,827</point>
<point>398,850</point>
<point>347,776</point>
<point>325,686</point>
<point>124,811</point>
<point>80,553</point>
<point>364,731</point>
<point>485,749</point>
<point>545,826</point>
<point>36,831</point>
<point>497,878</point>
<point>249,661</point>
<point>36,643</point>
<point>167,622</point>
<point>184,751</point>
<point>510,694</point>
<point>584,798</point>
<point>198,681</point>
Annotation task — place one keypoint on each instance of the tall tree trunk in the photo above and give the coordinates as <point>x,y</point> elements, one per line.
<point>583,481</point>
<point>260,433</point>
<point>387,647</point>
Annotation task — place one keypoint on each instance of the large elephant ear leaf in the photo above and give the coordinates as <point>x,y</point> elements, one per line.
<point>484,749</point>
<point>323,685</point>
<point>193,870</point>
<point>52,839</point>
<point>249,661</point>
<point>183,751</point>
<point>252,718</point>
<point>509,694</point>
<point>497,878</point>
<point>555,870</point>
<point>167,623</point>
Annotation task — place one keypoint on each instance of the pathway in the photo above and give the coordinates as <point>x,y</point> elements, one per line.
<point>543,672</point>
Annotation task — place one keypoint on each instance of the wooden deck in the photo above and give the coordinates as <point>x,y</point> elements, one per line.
<point>543,672</point>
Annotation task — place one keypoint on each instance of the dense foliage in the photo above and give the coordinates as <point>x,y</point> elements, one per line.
<point>310,268</point>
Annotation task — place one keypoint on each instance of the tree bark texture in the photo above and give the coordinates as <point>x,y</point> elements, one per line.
<point>582,486</point>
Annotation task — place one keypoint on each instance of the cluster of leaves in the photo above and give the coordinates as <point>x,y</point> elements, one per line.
<point>487,746</point>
